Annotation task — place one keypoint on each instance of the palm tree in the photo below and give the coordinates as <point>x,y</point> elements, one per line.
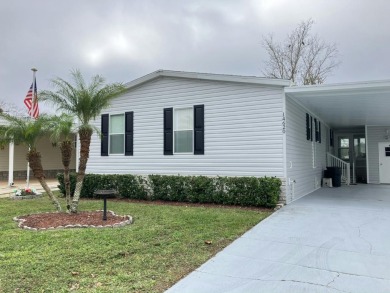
<point>84,101</point>
<point>61,128</point>
<point>27,131</point>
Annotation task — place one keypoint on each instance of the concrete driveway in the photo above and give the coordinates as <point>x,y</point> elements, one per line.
<point>333,240</point>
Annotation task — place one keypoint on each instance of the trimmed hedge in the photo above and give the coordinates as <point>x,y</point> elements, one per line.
<point>128,186</point>
<point>244,191</point>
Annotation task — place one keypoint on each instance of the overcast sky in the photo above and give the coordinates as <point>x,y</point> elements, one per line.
<point>123,40</point>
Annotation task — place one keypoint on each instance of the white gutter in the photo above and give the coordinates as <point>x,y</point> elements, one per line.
<point>376,85</point>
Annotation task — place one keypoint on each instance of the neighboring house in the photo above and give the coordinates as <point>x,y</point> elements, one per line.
<point>13,162</point>
<point>211,124</point>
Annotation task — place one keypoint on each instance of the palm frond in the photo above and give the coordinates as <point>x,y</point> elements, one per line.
<point>84,101</point>
<point>23,130</point>
<point>78,79</point>
<point>61,127</point>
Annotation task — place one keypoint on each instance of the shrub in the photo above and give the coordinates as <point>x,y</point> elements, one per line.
<point>202,189</point>
<point>128,186</point>
<point>244,191</point>
<point>61,186</point>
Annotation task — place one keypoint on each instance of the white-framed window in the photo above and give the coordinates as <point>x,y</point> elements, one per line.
<point>183,130</point>
<point>117,134</point>
<point>344,148</point>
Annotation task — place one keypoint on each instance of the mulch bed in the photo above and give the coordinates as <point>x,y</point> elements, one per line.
<point>65,220</point>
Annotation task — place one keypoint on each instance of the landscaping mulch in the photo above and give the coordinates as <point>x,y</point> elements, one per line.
<point>89,218</point>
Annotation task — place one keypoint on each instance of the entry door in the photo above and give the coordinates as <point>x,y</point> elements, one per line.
<point>384,162</point>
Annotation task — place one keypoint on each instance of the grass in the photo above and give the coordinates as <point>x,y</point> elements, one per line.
<point>164,244</point>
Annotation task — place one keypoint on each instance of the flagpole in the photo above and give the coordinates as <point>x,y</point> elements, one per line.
<point>34,70</point>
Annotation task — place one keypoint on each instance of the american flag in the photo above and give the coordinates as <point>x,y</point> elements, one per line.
<point>31,101</point>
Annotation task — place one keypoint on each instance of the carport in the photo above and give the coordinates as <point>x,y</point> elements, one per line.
<point>356,119</point>
<point>347,107</point>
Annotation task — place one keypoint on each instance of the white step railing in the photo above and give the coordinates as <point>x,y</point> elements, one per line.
<point>333,161</point>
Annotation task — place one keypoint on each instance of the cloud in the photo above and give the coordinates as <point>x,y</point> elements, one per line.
<point>123,40</point>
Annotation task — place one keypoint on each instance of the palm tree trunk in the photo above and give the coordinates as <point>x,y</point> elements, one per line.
<point>66,154</point>
<point>48,191</point>
<point>34,158</point>
<point>85,141</point>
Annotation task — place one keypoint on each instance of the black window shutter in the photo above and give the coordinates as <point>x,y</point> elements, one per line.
<point>307,126</point>
<point>199,130</point>
<point>315,129</point>
<point>168,131</point>
<point>319,131</point>
<point>104,130</point>
<point>129,133</point>
<point>311,128</point>
<point>331,137</point>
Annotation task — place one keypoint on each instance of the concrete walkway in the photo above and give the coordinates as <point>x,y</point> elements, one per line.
<point>333,240</point>
<point>7,191</point>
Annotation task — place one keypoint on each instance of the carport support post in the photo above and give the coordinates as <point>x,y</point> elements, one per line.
<point>11,164</point>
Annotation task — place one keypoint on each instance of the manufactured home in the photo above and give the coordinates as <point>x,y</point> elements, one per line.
<point>186,123</point>
<point>171,122</point>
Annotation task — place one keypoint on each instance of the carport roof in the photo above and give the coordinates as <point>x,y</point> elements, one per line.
<point>346,104</point>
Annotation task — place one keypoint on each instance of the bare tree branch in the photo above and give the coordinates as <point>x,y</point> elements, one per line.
<point>12,109</point>
<point>302,58</point>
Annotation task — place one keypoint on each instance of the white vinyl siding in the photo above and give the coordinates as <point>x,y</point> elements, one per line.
<point>374,135</point>
<point>243,129</point>
<point>306,159</point>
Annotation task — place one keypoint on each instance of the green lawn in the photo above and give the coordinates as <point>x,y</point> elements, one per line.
<point>164,244</point>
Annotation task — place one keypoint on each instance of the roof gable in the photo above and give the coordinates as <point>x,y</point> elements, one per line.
<point>208,76</point>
